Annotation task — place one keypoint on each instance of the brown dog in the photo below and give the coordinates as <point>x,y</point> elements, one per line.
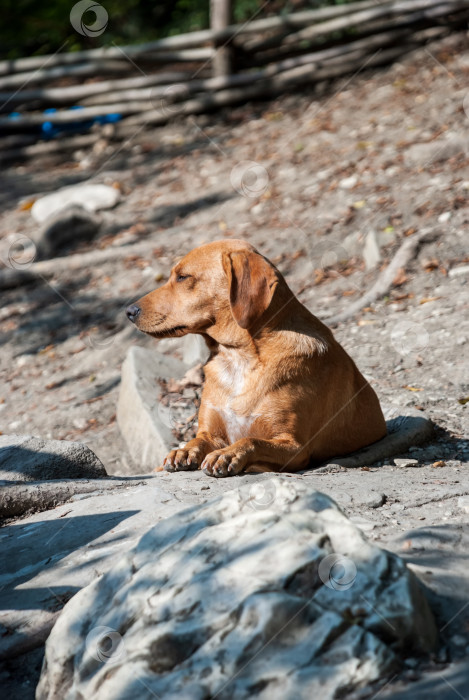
<point>280,390</point>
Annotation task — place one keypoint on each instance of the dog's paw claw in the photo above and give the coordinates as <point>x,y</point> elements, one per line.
<point>221,464</point>
<point>181,460</point>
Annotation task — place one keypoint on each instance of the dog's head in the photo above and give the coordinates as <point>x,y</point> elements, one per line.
<point>212,286</point>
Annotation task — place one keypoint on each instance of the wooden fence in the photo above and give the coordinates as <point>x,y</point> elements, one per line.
<point>69,100</point>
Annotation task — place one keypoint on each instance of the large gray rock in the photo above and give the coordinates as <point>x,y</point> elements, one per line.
<point>91,197</point>
<point>26,458</point>
<point>144,420</point>
<point>266,593</point>
<point>71,225</point>
<point>48,556</point>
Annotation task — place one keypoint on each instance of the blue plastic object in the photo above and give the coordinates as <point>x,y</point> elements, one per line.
<point>48,129</point>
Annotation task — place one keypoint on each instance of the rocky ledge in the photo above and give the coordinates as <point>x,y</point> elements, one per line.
<point>235,599</point>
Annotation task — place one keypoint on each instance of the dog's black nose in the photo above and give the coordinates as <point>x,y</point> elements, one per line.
<point>132,312</point>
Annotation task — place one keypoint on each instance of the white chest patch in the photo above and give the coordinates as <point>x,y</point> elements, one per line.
<point>232,372</point>
<point>237,427</point>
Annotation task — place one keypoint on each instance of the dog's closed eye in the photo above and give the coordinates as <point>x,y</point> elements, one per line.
<point>181,278</point>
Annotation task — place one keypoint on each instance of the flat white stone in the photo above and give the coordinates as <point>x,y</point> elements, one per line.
<point>89,196</point>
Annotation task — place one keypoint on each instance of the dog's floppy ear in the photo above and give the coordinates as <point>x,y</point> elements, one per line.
<point>251,281</point>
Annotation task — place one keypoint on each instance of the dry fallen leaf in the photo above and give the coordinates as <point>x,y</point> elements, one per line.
<point>425,300</point>
<point>401,297</point>
<point>412,388</point>
<point>53,385</point>
<point>400,278</point>
<point>173,386</point>
<point>430,265</point>
<point>193,376</point>
<point>440,463</point>
<point>45,350</point>
<point>27,205</point>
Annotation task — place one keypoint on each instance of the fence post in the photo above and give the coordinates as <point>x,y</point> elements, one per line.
<point>221,17</point>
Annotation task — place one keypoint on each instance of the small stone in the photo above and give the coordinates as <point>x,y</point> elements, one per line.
<point>348,183</point>
<point>445,217</point>
<point>463,503</point>
<point>80,423</point>
<point>405,462</point>
<point>374,500</point>
<point>457,271</point>
<point>371,253</point>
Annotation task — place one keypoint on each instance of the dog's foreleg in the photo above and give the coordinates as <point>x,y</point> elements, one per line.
<point>228,461</point>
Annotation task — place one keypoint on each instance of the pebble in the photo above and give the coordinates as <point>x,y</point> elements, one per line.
<point>463,503</point>
<point>80,423</point>
<point>443,218</point>
<point>374,500</point>
<point>371,253</point>
<point>348,182</point>
<point>456,271</point>
<point>405,462</point>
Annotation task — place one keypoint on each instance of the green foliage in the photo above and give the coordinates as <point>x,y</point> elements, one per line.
<point>30,27</point>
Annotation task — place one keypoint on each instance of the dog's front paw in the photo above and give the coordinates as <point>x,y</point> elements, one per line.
<point>183,460</point>
<point>225,462</point>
